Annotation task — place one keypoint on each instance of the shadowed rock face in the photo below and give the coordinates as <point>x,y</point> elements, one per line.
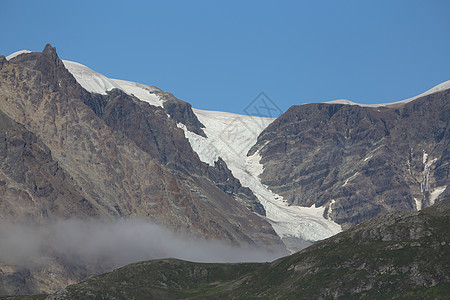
<point>360,161</point>
<point>181,112</point>
<point>67,152</point>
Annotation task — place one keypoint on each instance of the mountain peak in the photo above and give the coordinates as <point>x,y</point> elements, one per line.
<point>50,52</point>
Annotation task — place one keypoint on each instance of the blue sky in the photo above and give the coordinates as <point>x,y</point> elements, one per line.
<point>221,55</point>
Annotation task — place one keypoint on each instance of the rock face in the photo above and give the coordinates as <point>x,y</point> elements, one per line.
<point>67,152</point>
<point>400,255</point>
<point>358,161</point>
<point>181,112</point>
<point>33,185</point>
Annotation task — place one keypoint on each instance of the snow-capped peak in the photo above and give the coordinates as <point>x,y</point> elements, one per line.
<point>97,83</point>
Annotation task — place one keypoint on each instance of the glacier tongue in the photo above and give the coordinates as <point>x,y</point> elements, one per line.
<point>231,136</point>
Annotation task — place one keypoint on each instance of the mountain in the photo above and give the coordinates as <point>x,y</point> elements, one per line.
<point>67,153</point>
<point>78,145</point>
<point>222,140</point>
<point>399,255</point>
<point>120,153</point>
<point>358,161</point>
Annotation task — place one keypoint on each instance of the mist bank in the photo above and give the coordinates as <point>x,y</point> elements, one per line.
<point>107,244</point>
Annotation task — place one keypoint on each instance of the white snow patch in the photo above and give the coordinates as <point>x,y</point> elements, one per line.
<point>89,79</point>
<point>418,204</point>
<point>97,83</point>
<point>344,101</point>
<point>435,194</point>
<point>424,157</point>
<point>425,184</point>
<point>11,56</point>
<point>440,87</point>
<point>231,136</point>
<point>350,178</point>
<point>201,145</point>
<point>368,157</point>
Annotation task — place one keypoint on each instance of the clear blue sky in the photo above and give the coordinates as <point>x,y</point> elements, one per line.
<point>221,55</point>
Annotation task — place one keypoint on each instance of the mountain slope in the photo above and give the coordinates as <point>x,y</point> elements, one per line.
<point>121,152</point>
<point>400,255</point>
<point>359,162</point>
<point>108,155</point>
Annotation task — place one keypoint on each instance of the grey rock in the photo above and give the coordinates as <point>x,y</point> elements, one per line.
<point>360,161</point>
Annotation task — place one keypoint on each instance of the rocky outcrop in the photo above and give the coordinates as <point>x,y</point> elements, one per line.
<point>358,161</point>
<point>181,112</point>
<point>224,179</point>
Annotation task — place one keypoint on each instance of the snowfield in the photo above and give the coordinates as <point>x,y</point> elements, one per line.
<point>97,83</point>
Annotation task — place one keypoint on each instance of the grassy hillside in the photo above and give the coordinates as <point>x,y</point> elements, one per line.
<point>401,255</point>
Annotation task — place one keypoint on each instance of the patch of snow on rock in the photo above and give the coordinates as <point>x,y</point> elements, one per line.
<point>11,56</point>
<point>141,91</point>
<point>418,204</point>
<point>435,193</point>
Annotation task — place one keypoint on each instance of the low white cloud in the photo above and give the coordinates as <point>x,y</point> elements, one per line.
<point>101,245</point>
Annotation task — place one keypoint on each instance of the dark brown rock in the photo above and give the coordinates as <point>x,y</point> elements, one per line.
<point>119,157</point>
<point>181,112</point>
<point>34,186</point>
<point>367,159</point>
